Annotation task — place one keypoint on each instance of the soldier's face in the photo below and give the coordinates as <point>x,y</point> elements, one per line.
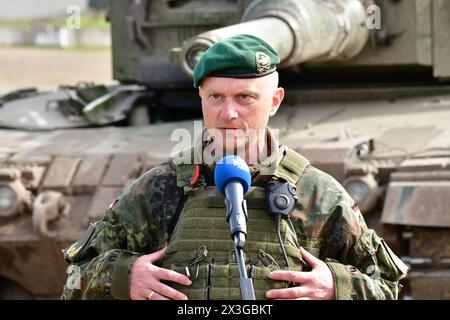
<point>237,108</point>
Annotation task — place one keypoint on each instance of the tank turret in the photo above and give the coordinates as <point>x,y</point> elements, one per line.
<point>299,30</point>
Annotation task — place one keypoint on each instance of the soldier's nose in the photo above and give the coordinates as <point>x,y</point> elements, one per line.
<point>229,111</point>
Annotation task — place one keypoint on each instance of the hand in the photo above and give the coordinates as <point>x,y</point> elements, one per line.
<point>318,284</point>
<point>145,280</point>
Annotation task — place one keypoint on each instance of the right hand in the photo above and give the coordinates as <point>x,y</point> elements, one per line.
<point>146,277</point>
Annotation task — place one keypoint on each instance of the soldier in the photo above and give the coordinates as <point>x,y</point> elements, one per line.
<point>166,236</point>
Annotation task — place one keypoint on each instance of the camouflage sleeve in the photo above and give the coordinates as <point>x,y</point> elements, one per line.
<point>369,271</point>
<point>363,266</point>
<point>137,223</point>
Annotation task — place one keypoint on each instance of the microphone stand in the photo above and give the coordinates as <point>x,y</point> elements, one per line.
<point>236,215</point>
<point>247,291</point>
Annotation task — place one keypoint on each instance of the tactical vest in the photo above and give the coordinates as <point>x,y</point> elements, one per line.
<point>202,249</point>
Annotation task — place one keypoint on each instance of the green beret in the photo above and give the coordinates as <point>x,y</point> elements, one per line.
<point>241,56</point>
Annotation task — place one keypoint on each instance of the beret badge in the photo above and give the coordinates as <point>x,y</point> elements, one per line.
<point>263,62</point>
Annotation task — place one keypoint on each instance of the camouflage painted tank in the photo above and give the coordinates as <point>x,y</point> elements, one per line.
<point>366,100</point>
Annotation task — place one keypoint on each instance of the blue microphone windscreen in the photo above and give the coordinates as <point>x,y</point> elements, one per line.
<point>231,168</point>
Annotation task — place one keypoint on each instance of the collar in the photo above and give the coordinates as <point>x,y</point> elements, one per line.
<point>265,167</point>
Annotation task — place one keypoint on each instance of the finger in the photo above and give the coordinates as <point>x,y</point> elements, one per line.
<point>169,292</point>
<point>169,275</point>
<point>310,259</point>
<point>158,255</point>
<point>147,294</point>
<point>289,293</point>
<point>157,296</point>
<point>141,296</point>
<point>295,276</point>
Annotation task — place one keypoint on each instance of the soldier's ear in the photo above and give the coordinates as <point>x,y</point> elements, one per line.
<point>277,98</point>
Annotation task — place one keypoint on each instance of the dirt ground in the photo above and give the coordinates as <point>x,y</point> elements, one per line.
<point>47,68</point>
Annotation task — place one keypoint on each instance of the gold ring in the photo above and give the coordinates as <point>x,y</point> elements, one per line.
<point>150,295</point>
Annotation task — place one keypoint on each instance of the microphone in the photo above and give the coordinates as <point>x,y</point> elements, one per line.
<point>232,178</point>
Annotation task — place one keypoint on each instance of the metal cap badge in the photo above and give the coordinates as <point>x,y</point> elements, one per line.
<point>263,62</point>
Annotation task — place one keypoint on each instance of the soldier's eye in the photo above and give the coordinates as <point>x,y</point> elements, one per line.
<point>215,96</point>
<point>245,98</point>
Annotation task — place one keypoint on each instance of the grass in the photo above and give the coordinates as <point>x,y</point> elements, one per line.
<point>87,20</point>
<point>75,48</point>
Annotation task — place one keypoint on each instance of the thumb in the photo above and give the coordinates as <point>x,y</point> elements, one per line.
<point>309,258</point>
<point>158,255</point>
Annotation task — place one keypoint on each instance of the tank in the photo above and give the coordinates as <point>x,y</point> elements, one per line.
<point>367,100</point>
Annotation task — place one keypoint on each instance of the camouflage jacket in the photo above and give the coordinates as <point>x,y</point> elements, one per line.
<point>331,227</point>
<point>327,221</point>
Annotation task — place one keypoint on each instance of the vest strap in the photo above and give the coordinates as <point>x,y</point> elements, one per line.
<point>291,166</point>
<point>187,171</point>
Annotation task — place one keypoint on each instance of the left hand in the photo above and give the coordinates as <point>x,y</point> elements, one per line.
<point>317,284</point>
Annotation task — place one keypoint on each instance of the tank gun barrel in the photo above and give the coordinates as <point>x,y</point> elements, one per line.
<point>299,30</point>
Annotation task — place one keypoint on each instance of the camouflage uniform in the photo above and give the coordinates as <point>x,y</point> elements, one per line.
<point>327,222</point>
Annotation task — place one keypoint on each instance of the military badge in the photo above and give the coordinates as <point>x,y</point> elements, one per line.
<point>263,62</point>
<point>73,250</point>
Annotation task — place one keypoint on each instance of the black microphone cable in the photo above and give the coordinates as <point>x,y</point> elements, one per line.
<point>280,241</point>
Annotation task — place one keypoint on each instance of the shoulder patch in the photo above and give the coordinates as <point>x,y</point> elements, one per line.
<point>75,250</point>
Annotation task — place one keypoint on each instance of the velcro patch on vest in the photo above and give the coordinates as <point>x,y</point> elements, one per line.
<point>218,202</point>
